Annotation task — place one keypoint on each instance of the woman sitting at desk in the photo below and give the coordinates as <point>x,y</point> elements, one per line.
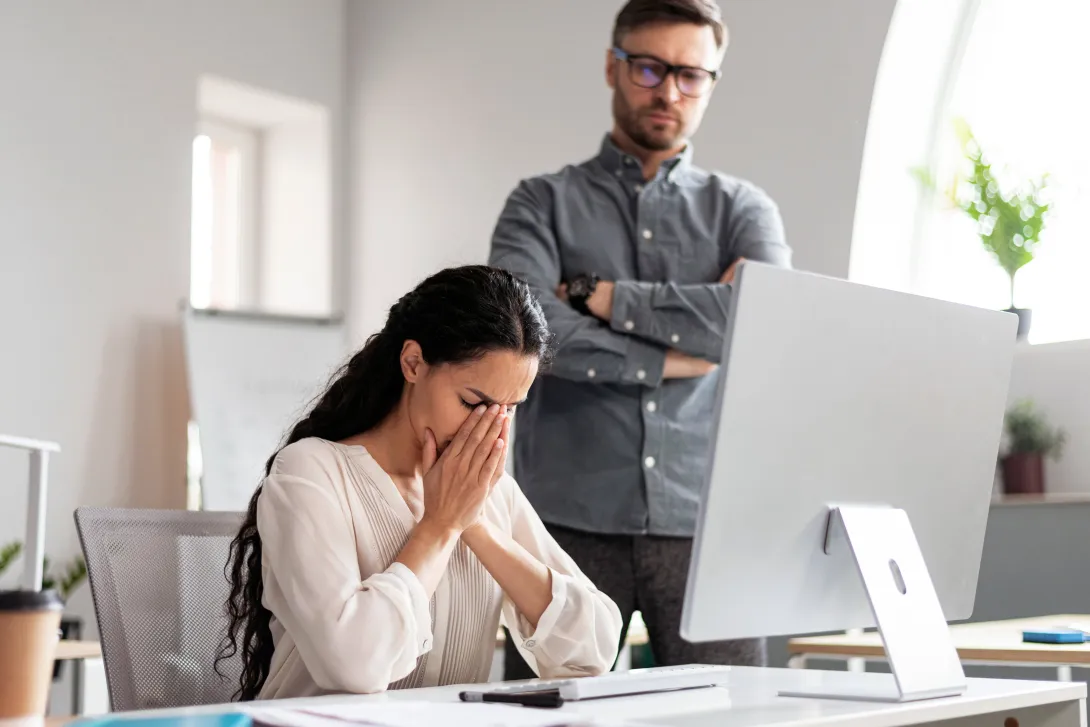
<point>386,541</point>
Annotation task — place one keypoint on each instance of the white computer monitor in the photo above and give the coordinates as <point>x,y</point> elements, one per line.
<point>886,405</point>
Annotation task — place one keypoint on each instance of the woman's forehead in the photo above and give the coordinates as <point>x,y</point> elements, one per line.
<point>500,376</point>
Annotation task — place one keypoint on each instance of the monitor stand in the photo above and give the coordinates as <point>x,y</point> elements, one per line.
<point>921,654</point>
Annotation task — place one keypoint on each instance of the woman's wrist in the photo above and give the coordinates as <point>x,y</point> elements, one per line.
<point>476,533</point>
<point>436,529</point>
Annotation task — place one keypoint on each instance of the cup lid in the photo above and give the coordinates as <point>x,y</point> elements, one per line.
<point>24,600</point>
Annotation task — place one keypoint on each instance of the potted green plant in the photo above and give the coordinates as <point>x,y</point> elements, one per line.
<point>8,555</point>
<point>1009,218</point>
<point>1030,439</point>
<point>75,572</point>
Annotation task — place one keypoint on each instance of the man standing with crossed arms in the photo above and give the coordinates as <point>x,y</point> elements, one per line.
<point>631,254</point>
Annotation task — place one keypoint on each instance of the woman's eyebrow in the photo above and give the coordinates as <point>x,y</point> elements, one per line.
<point>489,401</point>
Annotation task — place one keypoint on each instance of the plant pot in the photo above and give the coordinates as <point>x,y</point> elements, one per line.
<point>1024,473</point>
<point>1025,317</point>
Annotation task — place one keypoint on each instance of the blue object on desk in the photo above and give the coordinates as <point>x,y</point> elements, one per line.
<point>1056,636</point>
<point>226,719</point>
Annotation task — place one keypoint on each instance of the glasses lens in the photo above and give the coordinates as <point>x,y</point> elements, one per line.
<point>693,81</point>
<point>646,73</point>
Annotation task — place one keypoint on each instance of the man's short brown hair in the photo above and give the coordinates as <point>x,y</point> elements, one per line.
<point>638,13</point>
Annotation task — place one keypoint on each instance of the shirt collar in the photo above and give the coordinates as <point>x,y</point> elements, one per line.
<point>614,160</point>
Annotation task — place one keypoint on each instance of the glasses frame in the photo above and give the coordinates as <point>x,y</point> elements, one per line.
<point>671,70</point>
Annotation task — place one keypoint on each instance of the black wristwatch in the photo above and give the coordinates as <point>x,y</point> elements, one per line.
<point>580,289</point>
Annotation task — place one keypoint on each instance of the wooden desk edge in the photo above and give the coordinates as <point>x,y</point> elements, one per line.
<point>1034,656</point>
<point>72,650</point>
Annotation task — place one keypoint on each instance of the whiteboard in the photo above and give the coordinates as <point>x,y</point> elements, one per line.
<point>251,376</point>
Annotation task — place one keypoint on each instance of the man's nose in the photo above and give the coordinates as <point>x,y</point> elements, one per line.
<point>668,90</point>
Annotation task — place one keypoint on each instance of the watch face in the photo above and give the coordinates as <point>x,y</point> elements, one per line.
<point>579,287</point>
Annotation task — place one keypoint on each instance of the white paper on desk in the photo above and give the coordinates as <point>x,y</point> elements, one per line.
<point>397,713</point>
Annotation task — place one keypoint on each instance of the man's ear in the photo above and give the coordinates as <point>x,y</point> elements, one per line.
<point>413,365</point>
<point>611,69</point>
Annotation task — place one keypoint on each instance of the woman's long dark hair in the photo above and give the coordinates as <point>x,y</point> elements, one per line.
<point>457,316</point>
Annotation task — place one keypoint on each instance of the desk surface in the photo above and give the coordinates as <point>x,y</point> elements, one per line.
<point>78,650</point>
<point>751,699</point>
<point>999,641</point>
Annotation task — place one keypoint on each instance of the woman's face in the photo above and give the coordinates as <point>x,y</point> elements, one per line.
<point>441,397</point>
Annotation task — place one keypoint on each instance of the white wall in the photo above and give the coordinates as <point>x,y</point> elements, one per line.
<point>96,129</point>
<point>450,104</point>
<point>444,122</point>
<point>792,113</point>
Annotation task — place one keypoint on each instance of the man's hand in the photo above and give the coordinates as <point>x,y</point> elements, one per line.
<point>728,276</point>
<point>600,304</point>
<point>682,366</point>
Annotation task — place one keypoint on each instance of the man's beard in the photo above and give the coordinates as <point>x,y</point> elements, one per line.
<point>629,120</point>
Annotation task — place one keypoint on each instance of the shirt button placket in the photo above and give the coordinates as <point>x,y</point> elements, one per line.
<point>645,235</point>
<point>648,269</point>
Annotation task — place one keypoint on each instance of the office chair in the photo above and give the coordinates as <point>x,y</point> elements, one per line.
<point>158,584</point>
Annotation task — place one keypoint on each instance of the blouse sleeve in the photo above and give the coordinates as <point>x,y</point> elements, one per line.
<point>579,632</point>
<point>354,634</point>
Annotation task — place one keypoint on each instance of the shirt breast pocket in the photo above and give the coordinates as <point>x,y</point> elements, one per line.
<point>690,258</point>
<point>687,238</point>
<point>598,245</point>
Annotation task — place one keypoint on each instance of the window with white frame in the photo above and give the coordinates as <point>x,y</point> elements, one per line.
<point>1021,89</point>
<point>262,215</point>
<point>1015,73</point>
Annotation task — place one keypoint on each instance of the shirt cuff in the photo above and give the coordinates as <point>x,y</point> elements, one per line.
<point>643,363</point>
<point>632,315</point>
<point>631,308</point>
<point>545,625</point>
<point>419,603</point>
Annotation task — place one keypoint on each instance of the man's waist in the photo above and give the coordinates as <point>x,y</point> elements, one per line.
<point>610,503</point>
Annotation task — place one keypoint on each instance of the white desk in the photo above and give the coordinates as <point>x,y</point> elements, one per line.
<point>751,699</point>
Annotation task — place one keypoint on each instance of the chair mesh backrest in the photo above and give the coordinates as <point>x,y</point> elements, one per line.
<point>158,583</point>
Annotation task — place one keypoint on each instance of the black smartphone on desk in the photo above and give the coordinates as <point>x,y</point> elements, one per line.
<point>544,698</point>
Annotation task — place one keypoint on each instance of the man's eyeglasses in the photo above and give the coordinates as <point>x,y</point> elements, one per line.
<point>649,72</point>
